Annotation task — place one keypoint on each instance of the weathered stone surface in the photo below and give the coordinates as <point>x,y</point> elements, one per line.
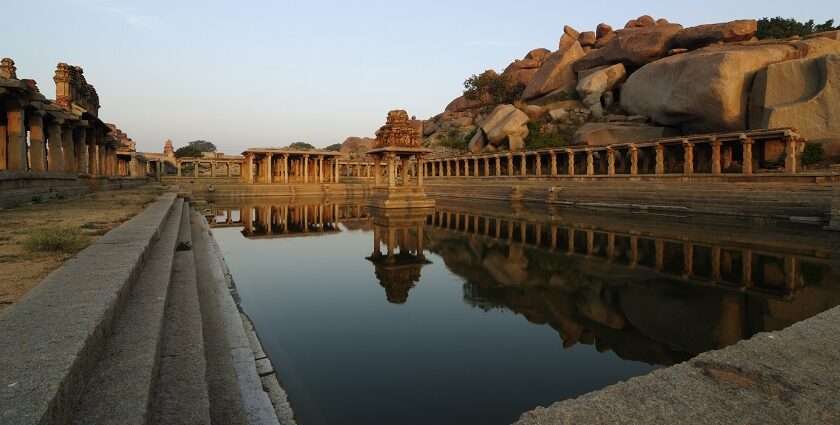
<point>603,134</point>
<point>516,143</point>
<point>602,30</point>
<point>522,64</point>
<point>633,47</point>
<point>358,144</point>
<point>551,100</point>
<point>602,41</point>
<point>513,124</point>
<point>596,84</point>
<point>556,73</point>
<point>587,39</point>
<point>803,94</point>
<point>707,90</point>
<point>726,32</point>
<point>571,32</point>
<point>832,35</point>
<point>641,22</point>
<point>478,142</point>
<point>538,54</point>
<point>461,104</point>
<point>559,114</point>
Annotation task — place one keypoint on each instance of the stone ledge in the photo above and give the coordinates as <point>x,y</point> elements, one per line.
<point>789,376</point>
<point>52,338</point>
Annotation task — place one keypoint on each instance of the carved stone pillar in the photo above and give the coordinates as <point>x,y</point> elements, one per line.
<point>475,167</point>
<point>16,139</point>
<point>448,170</point>
<point>37,145</point>
<point>92,169</point>
<point>590,163</point>
<point>420,165</point>
<point>498,165</point>
<point>523,164</point>
<point>306,168</point>
<point>538,164</point>
<point>634,160</point>
<point>747,144</point>
<point>510,164</point>
<point>571,166</point>
<point>660,159</point>
<point>610,162</point>
<point>392,178</point>
<point>688,157</point>
<point>466,167</point>
<point>55,158</point>
<point>553,163</point>
<point>716,168</point>
<point>67,148</point>
<point>80,142</point>
<point>404,163</point>
<point>486,166</point>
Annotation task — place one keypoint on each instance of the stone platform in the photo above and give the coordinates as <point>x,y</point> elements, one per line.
<point>400,197</point>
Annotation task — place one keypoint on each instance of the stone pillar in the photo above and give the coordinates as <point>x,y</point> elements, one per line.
<point>448,170</point>
<point>420,165</point>
<point>67,148</point>
<point>610,161</point>
<point>571,165</point>
<point>486,166</point>
<point>195,168</point>
<point>37,145</point>
<point>553,163</point>
<point>790,155</point>
<point>590,163</point>
<point>55,158</point>
<point>321,169</point>
<point>466,167</point>
<point>91,152</point>
<point>392,178</point>
<point>660,159</point>
<point>404,170</point>
<point>335,166</point>
<point>267,162</point>
<point>178,165</point>
<point>306,168</point>
<point>498,165</point>
<point>16,139</point>
<point>510,164</point>
<point>249,175</point>
<point>634,160</point>
<point>286,169</point>
<point>747,144</point>
<point>377,166</point>
<point>688,157</point>
<point>523,164</point>
<point>475,168</point>
<point>716,168</point>
<point>80,136</point>
<point>538,164</point>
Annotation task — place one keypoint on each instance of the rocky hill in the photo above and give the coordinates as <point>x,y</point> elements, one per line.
<point>650,79</point>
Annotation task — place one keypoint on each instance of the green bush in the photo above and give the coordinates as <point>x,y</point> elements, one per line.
<point>779,27</point>
<point>301,146</point>
<point>493,88</point>
<point>813,153</point>
<point>336,147</point>
<point>453,139</point>
<point>538,139</point>
<point>57,237</point>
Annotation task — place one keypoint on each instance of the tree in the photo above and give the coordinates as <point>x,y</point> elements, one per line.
<point>779,27</point>
<point>187,151</point>
<point>336,147</point>
<point>203,145</point>
<point>302,146</point>
<point>492,88</point>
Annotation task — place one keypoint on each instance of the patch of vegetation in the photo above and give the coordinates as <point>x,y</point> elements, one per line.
<point>539,139</point>
<point>493,88</point>
<point>453,139</point>
<point>90,225</point>
<point>336,147</point>
<point>203,145</point>
<point>302,146</point>
<point>469,135</point>
<point>188,151</point>
<point>56,237</point>
<point>149,197</point>
<point>37,199</point>
<point>779,27</point>
<point>183,246</point>
<point>812,153</point>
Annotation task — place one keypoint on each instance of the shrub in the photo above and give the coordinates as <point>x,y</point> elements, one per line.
<point>57,237</point>
<point>453,139</point>
<point>813,153</point>
<point>301,146</point>
<point>492,88</point>
<point>469,135</point>
<point>779,27</point>
<point>538,139</point>
<point>336,147</point>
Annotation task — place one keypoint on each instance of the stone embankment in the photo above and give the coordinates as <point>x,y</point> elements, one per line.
<point>140,327</point>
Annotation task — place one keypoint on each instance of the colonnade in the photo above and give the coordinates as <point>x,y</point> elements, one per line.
<point>730,153</point>
<point>280,166</point>
<point>215,168</point>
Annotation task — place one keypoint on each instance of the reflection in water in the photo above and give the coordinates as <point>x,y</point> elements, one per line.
<point>649,289</point>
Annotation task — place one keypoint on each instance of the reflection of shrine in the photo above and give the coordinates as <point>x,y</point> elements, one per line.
<point>296,219</point>
<point>398,268</point>
<point>651,289</point>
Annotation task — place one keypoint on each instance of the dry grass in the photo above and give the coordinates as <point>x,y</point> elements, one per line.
<point>36,238</point>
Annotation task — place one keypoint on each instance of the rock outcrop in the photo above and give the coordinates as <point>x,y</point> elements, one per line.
<point>504,123</point>
<point>633,47</point>
<point>603,134</point>
<point>726,32</point>
<point>707,90</point>
<point>357,145</point>
<point>555,75</point>
<point>594,85</point>
<point>803,94</point>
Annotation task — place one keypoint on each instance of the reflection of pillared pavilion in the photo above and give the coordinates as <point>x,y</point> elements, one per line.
<point>398,269</point>
<point>398,140</point>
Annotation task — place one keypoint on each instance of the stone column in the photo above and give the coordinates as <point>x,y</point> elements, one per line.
<point>660,159</point>
<point>67,148</point>
<point>392,178</point>
<point>571,165</point>
<point>466,167</point>
<point>716,168</point>
<point>523,165</point>
<point>377,166</point>
<point>306,168</point>
<point>486,166</point>
<point>448,170</point>
<point>249,176</point>
<point>498,165</point>
<point>37,146</point>
<point>321,169</point>
<point>55,158</point>
<point>420,165</point>
<point>286,169</point>
<point>195,168</point>
<point>178,165</point>
<point>510,164</point>
<point>16,139</point>
<point>790,155</point>
<point>747,144</point>
<point>91,152</point>
<point>688,157</point>
<point>335,166</point>
<point>538,164</point>
<point>553,163</point>
<point>80,136</point>
<point>590,163</point>
<point>404,170</point>
<point>267,163</point>
<point>610,161</point>
<point>634,160</point>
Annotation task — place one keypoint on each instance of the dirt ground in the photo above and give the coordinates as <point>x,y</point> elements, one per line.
<point>94,213</point>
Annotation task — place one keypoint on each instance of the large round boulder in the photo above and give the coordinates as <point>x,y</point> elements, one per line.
<point>725,32</point>
<point>555,73</point>
<point>632,47</point>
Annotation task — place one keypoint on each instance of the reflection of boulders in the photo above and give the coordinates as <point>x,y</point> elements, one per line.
<point>509,269</point>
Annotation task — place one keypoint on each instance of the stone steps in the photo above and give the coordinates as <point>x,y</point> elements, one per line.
<point>121,387</point>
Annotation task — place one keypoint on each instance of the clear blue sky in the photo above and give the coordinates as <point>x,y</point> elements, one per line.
<point>268,73</point>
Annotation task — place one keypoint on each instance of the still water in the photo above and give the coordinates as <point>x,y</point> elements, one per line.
<point>473,314</point>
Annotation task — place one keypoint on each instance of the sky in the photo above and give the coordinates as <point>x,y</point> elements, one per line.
<point>268,73</point>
